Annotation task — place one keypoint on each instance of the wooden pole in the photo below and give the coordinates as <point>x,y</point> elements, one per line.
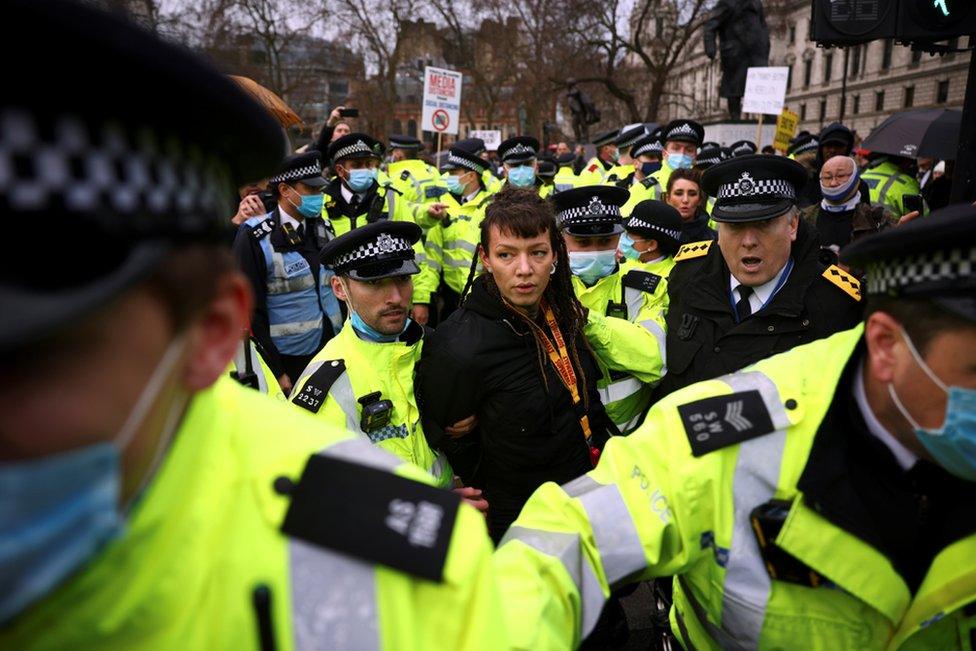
<point>438,159</point>
<point>759,132</point>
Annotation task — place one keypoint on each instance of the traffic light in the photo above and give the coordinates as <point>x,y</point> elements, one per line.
<point>848,22</point>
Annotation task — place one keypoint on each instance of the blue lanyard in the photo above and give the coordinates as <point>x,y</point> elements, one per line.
<point>779,284</point>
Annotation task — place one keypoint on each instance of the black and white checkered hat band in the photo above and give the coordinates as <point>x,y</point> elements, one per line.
<point>650,148</point>
<point>683,131</point>
<point>518,150</point>
<point>813,145</point>
<point>636,222</point>
<point>465,163</point>
<point>934,267</point>
<point>713,160</point>
<point>358,147</point>
<point>307,172</point>
<point>94,168</point>
<point>591,214</point>
<point>385,245</point>
<point>743,149</point>
<point>631,141</point>
<point>746,187</point>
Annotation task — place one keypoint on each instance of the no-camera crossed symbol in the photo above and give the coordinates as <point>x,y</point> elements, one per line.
<point>441,120</point>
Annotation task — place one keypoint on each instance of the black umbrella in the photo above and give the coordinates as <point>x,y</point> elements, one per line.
<point>922,133</point>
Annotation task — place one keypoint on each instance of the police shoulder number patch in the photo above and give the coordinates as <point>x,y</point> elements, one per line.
<point>693,250</point>
<point>316,388</point>
<point>848,283</point>
<point>262,229</point>
<point>397,522</point>
<point>721,421</point>
<point>645,281</point>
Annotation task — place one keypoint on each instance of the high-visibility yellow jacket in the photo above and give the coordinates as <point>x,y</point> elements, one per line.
<point>642,191</point>
<point>683,495</point>
<point>888,186</point>
<point>205,542</point>
<point>419,185</point>
<point>453,243</point>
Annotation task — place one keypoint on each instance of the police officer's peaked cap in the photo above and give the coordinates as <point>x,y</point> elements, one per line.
<point>590,211</point>
<point>547,166</point>
<point>753,188</point>
<point>566,159</point>
<point>710,144</point>
<point>627,137</point>
<point>301,168</point>
<point>520,149</point>
<point>398,141</point>
<point>684,131</point>
<point>656,220</point>
<point>837,133</point>
<point>605,138</point>
<point>932,257</point>
<point>803,144</point>
<point>648,145</point>
<point>458,159</point>
<point>377,250</point>
<point>709,156</point>
<point>354,145</point>
<point>105,177</point>
<point>471,145</point>
<point>743,148</point>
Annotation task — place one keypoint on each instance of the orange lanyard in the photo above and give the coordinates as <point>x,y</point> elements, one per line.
<point>564,367</point>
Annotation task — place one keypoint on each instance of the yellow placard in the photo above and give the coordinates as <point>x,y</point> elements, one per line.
<point>786,125</point>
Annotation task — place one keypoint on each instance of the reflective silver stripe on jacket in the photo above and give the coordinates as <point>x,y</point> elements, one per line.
<point>333,600</point>
<point>620,390</point>
<point>464,245</point>
<point>240,363</point>
<point>747,585</point>
<point>390,203</point>
<point>655,329</point>
<point>440,464</point>
<point>435,247</point>
<point>364,453</point>
<point>341,391</point>
<point>566,548</point>
<point>297,328</point>
<point>290,285</point>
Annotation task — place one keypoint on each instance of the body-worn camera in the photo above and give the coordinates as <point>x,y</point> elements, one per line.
<point>376,412</point>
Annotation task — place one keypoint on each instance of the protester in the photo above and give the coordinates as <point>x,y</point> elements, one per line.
<point>685,195</point>
<point>834,140</point>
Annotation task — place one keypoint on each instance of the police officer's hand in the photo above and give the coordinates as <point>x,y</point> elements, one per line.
<point>437,211</point>
<point>285,383</point>
<point>462,427</point>
<point>473,497</point>
<point>250,206</point>
<point>421,314</point>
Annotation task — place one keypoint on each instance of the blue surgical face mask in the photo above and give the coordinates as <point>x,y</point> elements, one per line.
<point>953,446</point>
<point>591,266</point>
<point>649,168</point>
<point>366,331</point>
<point>521,177</point>
<point>59,511</point>
<point>626,247</point>
<point>680,161</point>
<point>454,185</point>
<point>311,205</point>
<point>361,179</point>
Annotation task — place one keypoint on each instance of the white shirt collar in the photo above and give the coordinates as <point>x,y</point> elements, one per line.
<point>469,197</point>
<point>348,194</point>
<point>288,219</point>
<point>905,457</point>
<point>763,293</point>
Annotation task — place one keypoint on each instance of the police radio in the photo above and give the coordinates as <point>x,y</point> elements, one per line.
<point>376,412</point>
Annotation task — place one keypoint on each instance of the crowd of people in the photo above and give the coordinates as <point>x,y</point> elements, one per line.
<point>500,387</point>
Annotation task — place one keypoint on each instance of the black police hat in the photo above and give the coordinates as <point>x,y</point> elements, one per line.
<point>591,210</point>
<point>354,145</point>
<point>305,168</point>
<point>743,148</point>
<point>709,156</point>
<point>648,145</point>
<point>547,167</point>
<point>933,257</point>
<point>458,158</point>
<point>710,144</point>
<point>753,188</point>
<point>605,138</point>
<point>520,149</point>
<point>377,250</point>
<point>803,144</point>
<point>471,145</point>
<point>565,159</point>
<point>112,169</point>
<point>837,133</point>
<point>627,137</point>
<point>656,220</point>
<point>684,131</point>
<point>398,141</point>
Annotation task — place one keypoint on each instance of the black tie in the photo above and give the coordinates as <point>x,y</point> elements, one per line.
<point>742,308</point>
<point>301,232</point>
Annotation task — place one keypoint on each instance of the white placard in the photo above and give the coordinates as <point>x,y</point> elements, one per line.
<point>492,138</point>
<point>765,90</point>
<point>442,100</point>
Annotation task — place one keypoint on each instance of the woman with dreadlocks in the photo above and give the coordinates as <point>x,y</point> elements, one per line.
<point>516,355</point>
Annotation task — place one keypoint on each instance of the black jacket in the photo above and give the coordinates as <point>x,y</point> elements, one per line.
<point>704,341</point>
<point>482,360</point>
<point>697,230</point>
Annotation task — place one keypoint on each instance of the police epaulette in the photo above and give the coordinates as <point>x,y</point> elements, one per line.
<point>316,388</point>
<point>264,228</point>
<point>397,522</point>
<point>389,186</point>
<point>649,182</point>
<point>848,283</point>
<point>720,421</point>
<point>692,250</point>
<point>645,281</point>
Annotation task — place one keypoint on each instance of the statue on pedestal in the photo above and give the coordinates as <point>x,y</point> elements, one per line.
<point>740,28</point>
<point>584,111</point>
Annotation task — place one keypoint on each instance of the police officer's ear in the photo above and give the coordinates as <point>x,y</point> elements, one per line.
<point>216,331</point>
<point>339,289</point>
<point>794,217</point>
<point>882,334</point>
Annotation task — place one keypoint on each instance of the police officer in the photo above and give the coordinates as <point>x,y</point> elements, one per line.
<point>363,379</point>
<point>295,311</point>
<point>652,237</point>
<point>681,138</point>
<point>565,177</point>
<point>709,156</point>
<point>590,222</point>
<point>889,179</point>
<point>160,504</point>
<point>476,147</point>
<point>622,173</point>
<point>419,184</point>
<point>596,169</point>
<point>547,173</point>
<point>519,156</point>
<point>760,289</point>
<point>823,498</point>
<point>647,153</point>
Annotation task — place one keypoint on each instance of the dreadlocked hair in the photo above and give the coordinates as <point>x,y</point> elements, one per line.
<point>523,213</point>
